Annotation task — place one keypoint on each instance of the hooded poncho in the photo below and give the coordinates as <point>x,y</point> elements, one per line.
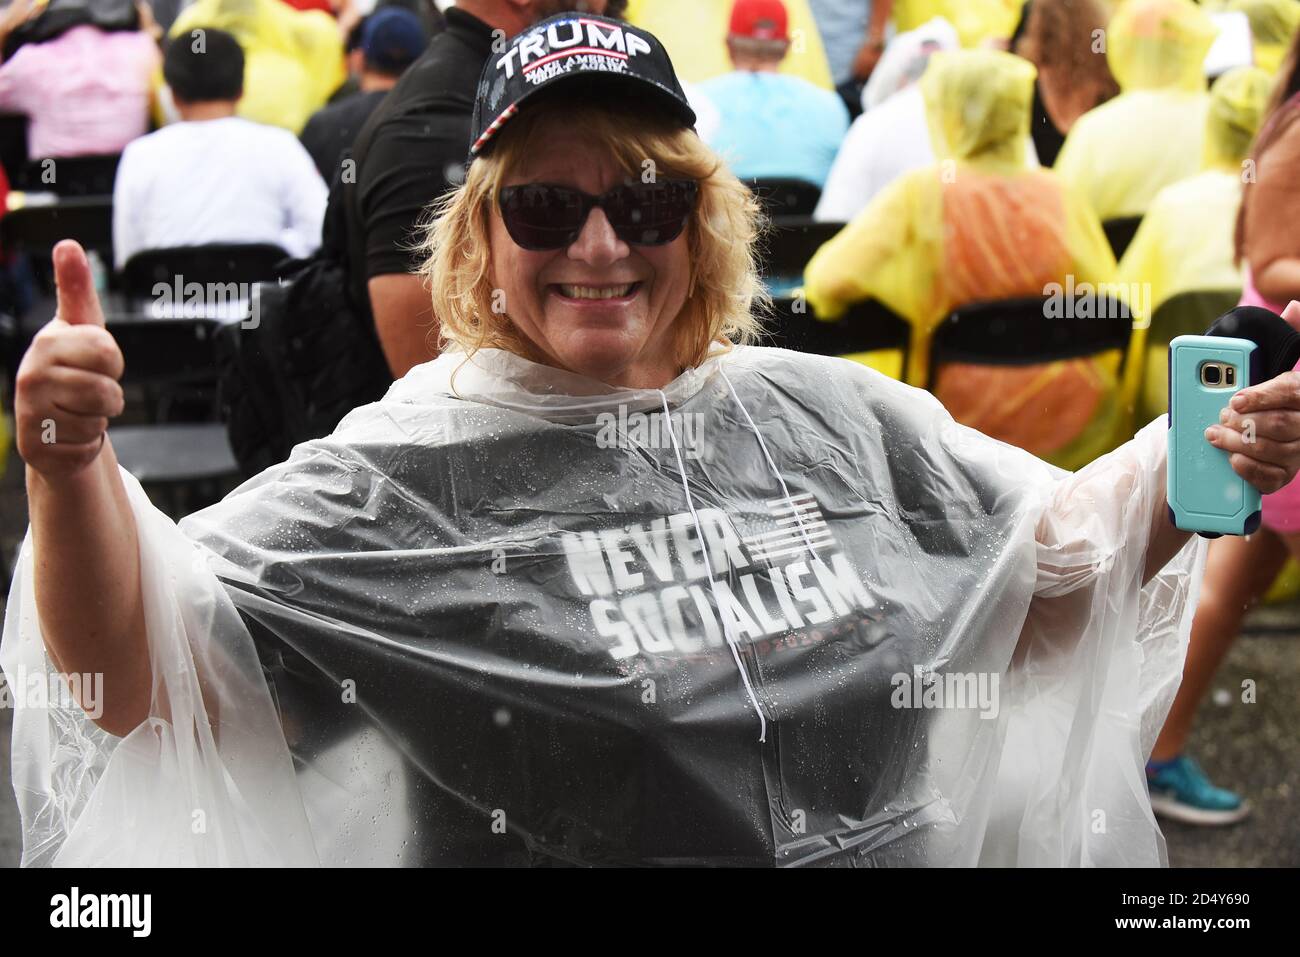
<point>981,225</point>
<point>1186,241</point>
<point>1121,153</point>
<point>784,611</point>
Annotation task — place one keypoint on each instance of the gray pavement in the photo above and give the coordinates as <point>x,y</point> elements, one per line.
<point>1250,747</point>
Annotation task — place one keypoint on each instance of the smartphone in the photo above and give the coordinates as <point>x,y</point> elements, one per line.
<point>1204,494</point>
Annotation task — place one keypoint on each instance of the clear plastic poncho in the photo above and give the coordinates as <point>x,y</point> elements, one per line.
<point>1186,242</point>
<point>293,59</point>
<point>981,225</point>
<point>510,615</point>
<point>1155,49</point>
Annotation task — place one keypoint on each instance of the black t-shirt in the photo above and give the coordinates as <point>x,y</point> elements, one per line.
<point>332,129</point>
<point>415,144</point>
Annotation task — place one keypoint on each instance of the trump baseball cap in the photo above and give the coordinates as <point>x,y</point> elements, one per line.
<point>760,20</point>
<point>568,50</point>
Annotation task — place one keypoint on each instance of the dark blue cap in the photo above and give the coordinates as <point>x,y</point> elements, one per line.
<point>392,38</point>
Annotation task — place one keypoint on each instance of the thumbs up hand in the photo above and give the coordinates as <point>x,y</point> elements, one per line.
<point>67,386</point>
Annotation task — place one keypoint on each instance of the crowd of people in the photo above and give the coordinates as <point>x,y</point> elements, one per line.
<point>971,151</point>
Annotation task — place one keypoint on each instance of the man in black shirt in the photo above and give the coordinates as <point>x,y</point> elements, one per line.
<point>413,149</point>
<point>391,40</point>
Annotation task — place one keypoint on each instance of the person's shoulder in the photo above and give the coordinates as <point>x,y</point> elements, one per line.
<point>811,374</point>
<point>845,391</point>
<point>1196,190</point>
<point>1113,112</point>
<point>445,75</point>
<point>136,42</point>
<point>330,112</point>
<point>265,135</point>
<point>149,145</point>
<point>720,86</point>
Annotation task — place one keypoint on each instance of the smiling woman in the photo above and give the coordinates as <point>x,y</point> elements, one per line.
<point>621,312</point>
<point>601,584</point>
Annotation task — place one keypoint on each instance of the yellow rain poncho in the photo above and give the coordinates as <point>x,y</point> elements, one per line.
<point>1273,23</point>
<point>1185,242</point>
<point>1119,155</point>
<point>977,21</point>
<point>695,35</point>
<point>982,225</point>
<point>293,59</point>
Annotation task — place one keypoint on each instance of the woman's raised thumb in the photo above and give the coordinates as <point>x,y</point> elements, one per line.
<point>78,303</point>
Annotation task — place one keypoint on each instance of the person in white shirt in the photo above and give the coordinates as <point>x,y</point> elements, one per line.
<point>892,135</point>
<point>214,177</point>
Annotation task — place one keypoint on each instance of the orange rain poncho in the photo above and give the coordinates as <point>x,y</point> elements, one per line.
<point>1120,154</point>
<point>982,225</point>
<point>293,59</point>
<point>1185,243</point>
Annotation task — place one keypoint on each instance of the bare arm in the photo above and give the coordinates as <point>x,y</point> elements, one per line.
<point>1272,206</point>
<point>84,538</point>
<point>873,44</point>
<point>404,321</point>
<point>1279,280</point>
<point>1165,540</point>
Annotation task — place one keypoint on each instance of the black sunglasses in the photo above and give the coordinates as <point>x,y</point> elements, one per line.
<point>542,216</point>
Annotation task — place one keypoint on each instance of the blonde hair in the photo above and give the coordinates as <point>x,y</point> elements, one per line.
<point>724,289</point>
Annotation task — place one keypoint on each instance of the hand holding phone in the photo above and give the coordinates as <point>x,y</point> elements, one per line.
<point>1204,493</point>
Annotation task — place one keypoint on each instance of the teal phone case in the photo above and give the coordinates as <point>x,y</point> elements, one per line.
<point>1205,495</point>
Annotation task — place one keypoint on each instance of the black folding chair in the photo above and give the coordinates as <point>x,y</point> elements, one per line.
<point>1186,314</point>
<point>786,197</point>
<point>210,263</point>
<point>1189,314</point>
<point>35,228</point>
<point>72,175</point>
<point>785,250</point>
<point>181,449</point>
<point>1027,331</point>
<point>866,327</point>
<point>1120,232</point>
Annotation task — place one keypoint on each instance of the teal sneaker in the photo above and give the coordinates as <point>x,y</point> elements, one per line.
<point>1180,791</point>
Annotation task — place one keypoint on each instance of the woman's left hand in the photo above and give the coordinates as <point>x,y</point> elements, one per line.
<point>1261,428</point>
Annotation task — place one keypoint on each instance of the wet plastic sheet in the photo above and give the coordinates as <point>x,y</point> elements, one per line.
<point>496,628</point>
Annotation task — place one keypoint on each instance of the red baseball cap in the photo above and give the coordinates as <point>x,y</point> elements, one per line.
<point>760,20</point>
